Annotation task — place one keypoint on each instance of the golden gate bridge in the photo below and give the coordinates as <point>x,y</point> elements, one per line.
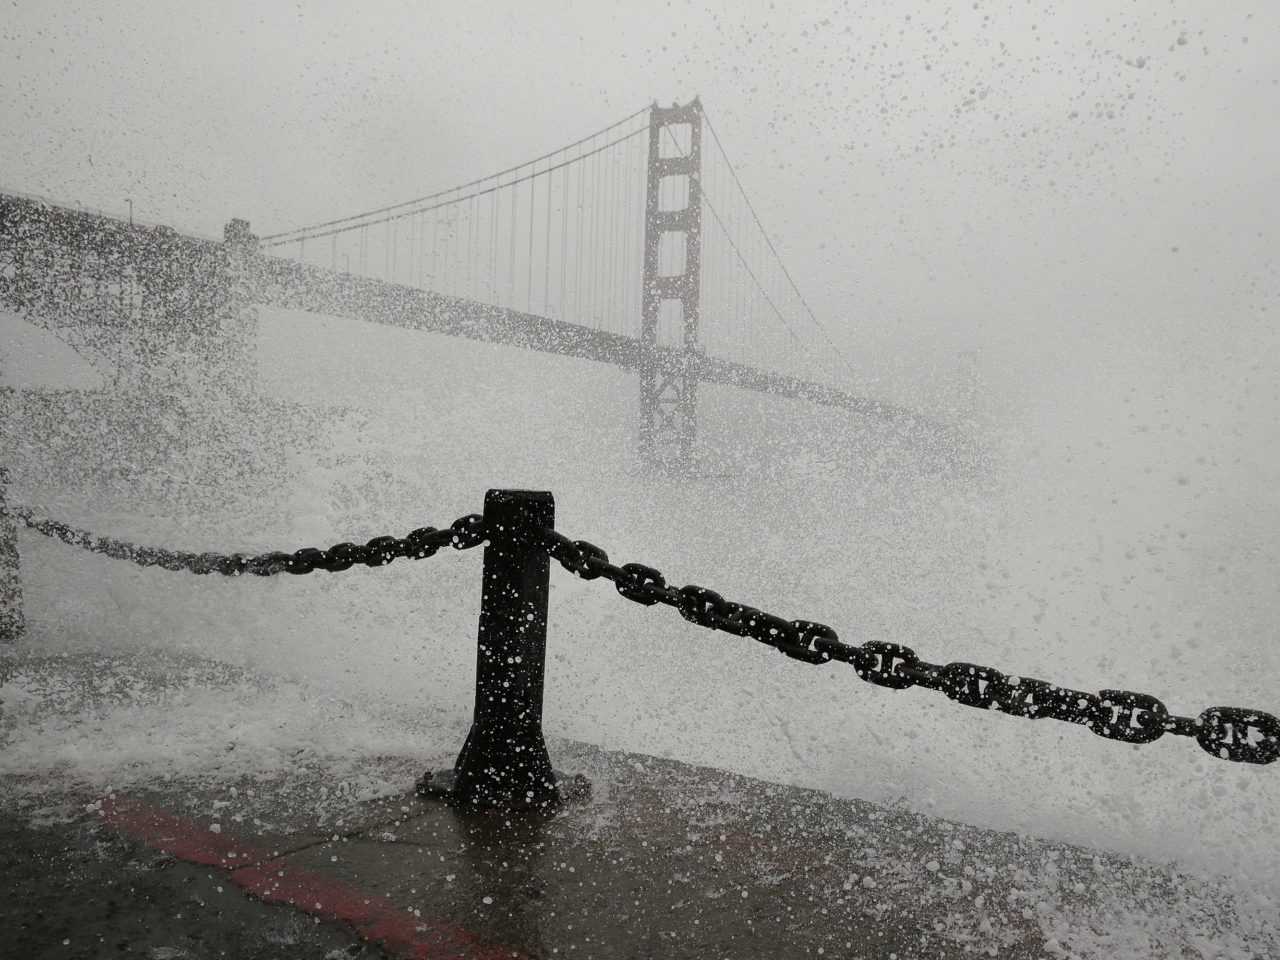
<point>636,245</point>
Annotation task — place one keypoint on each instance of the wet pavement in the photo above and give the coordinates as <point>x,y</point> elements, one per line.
<point>663,860</point>
<point>76,890</point>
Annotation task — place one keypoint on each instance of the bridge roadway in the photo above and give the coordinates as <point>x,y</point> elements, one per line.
<point>287,283</point>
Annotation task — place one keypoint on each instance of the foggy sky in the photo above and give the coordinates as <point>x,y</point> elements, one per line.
<point>937,175</point>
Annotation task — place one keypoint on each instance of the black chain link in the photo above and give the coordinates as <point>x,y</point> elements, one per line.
<point>1229,733</point>
<point>463,533</point>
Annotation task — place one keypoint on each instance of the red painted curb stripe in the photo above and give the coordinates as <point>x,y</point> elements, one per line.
<point>184,840</point>
<point>275,880</point>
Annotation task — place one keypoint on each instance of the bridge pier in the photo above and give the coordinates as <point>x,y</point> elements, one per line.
<point>239,316</point>
<point>12,624</point>
<point>148,304</point>
<point>671,287</point>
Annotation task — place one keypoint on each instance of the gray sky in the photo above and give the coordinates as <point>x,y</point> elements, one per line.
<point>937,175</point>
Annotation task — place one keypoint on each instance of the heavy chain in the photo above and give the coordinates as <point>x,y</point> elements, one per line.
<point>1229,733</point>
<point>424,542</point>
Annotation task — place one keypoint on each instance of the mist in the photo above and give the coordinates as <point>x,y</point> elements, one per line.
<point>1047,232</point>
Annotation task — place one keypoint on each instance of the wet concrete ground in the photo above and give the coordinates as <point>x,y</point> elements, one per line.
<point>78,891</point>
<point>664,860</point>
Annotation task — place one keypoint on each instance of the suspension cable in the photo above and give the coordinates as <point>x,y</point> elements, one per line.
<point>785,272</point>
<point>456,199</point>
<point>750,273</point>
<point>464,186</point>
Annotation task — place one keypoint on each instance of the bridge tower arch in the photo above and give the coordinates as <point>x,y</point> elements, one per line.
<point>671,287</point>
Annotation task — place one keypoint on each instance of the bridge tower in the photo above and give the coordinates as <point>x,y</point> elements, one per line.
<point>672,252</point>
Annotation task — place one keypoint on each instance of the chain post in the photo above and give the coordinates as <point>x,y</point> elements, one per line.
<point>11,621</point>
<point>504,762</point>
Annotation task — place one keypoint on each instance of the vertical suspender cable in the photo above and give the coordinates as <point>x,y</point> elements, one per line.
<point>606,207</point>
<point>498,247</point>
<point>598,243</point>
<point>635,227</point>
<point>493,244</point>
<point>564,235</point>
<point>453,234</point>
<point>451,248</point>
<point>511,263</point>
<point>608,196</point>
<point>628,159</point>
<point>709,321</point>
<point>763,292</point>
<point>577,241</point>
<point>533,192</point>
<point>628,240</point>
<point>464,249</point>
<point>749,330</point>
<point>472,238</point>
<point>446,254</point>
<point>732,322</point>
<point>546,248</point>
<point>435,251</point>
<point>707,317</point>
<point>743,304</point>
<point>615,183</point>
<point>728,316</point>
<point>610,225</point>
<point>593,243</point>
<point>459,253</point>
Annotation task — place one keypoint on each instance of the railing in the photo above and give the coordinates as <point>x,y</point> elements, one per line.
<point>505,762</point>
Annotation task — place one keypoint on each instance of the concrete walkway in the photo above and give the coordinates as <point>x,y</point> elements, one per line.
<point>664,860</point>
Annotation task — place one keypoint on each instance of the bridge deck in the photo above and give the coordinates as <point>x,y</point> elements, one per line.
<point>290,284</point>
<point>72,264</point>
